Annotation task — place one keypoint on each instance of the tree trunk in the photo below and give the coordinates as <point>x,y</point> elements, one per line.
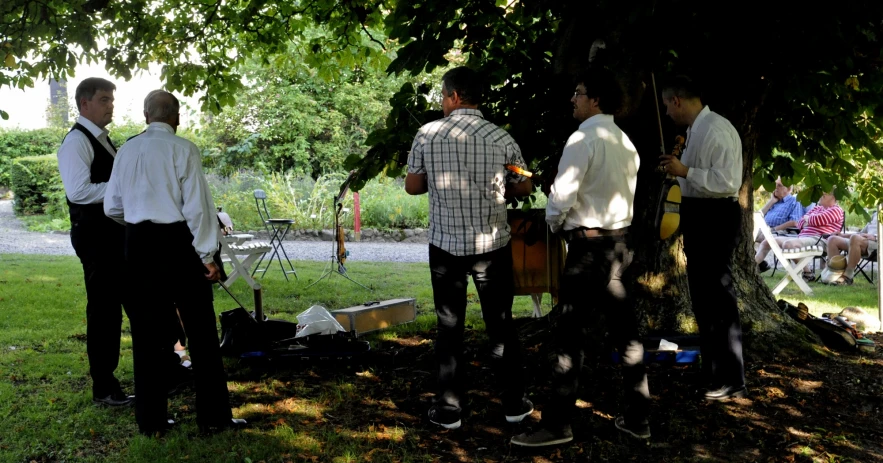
<point>660,266</point>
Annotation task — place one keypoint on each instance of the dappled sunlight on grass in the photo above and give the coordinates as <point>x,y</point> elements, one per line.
<point>791,410</point>
<point>806,387</point>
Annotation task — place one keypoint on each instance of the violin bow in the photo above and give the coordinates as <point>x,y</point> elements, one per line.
<point>658,114</point>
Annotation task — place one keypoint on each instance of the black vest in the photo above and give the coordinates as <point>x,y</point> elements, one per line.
<point>102,165</point>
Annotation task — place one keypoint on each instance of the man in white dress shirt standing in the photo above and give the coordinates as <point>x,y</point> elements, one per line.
<point>85,161</point>
<point>591,204</point>
<point>159,191</point>
<point>710,175</point>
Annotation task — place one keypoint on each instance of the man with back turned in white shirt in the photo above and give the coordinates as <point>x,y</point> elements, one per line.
<point>85,161</point>
<point>591,204</point>
<point>158,189</point>
<point>710,175</point>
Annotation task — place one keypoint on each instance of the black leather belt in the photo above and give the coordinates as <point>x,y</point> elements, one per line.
<point>585,233</point>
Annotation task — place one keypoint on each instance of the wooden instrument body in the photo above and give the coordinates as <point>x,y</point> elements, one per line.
<point>668,208</point>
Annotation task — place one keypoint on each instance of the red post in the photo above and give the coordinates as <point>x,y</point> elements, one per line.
<point>357,218</point>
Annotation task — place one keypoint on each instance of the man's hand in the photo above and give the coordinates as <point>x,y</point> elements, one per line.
<point>673,166</point>
<point>213,274</point>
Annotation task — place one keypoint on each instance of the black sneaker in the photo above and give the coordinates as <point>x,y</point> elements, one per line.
<point>763,266</point>
<point>447,419</point>
<point>158,431</point>
<point>117,399</point>
<point>727,392</point>
<point>516,415</point>
<point>180,378</point>
<point>233,424</point>
<point>639,430</point>
<point>543,437</point>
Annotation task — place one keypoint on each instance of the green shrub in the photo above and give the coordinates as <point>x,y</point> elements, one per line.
<point>384,203</point>
<point>35,182</point>
<point>17,143</point>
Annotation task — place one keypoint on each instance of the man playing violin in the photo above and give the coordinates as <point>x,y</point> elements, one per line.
<point>710,174</point>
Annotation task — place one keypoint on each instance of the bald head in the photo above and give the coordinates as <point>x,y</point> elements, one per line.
<point>161,106</point>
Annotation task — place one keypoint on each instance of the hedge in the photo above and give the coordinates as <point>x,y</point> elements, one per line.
<point>37,184</point>
<point>17,143</point>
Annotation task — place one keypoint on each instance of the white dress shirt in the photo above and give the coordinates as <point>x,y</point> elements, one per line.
<point>597,177</point>
<point>75,164</point>
<point>714,157</point>
<point>157,176</point>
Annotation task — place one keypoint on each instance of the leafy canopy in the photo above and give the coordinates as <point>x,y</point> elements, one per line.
<point>803,80</point>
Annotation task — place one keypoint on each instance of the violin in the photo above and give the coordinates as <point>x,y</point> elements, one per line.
<point>668,209</point>
<point>342,253</point>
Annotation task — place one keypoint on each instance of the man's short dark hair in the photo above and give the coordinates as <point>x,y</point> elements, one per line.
<point>602,84</point>
<point>682,87</point>
<point>89,86</point>
<point>467,83</point>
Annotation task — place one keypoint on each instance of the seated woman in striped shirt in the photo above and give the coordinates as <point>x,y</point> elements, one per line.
<point>824,219</point>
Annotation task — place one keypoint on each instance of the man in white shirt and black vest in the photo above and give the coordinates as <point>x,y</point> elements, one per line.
<point>710,174</point>
<point>591,204</point>
<point>85,161</point>
<point>460,160</point>
<point>159,191</point>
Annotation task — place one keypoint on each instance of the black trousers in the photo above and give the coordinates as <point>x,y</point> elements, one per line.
<point>492,274</point>
<point>99,245</point>
<point>709,254</point>
<point>165,251</point>
<point>593,284</point>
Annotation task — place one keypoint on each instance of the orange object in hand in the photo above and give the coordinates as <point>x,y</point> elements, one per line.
<point>519,170</point>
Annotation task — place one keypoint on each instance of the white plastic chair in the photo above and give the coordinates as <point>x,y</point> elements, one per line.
<point>802,256</point>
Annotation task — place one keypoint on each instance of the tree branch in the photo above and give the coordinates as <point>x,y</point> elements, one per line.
<point>372,38</point>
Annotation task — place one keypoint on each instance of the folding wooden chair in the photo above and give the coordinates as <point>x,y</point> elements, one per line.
<point>277,229</point>
<point>866,261</point>
<point>803,256</point>
<point>233,248</point>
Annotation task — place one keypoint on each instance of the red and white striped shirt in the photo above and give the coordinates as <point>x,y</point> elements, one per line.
<point>821,220</point>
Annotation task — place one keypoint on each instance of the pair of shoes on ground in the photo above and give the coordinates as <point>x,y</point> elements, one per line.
<point>450,419</point>
<point>116,399</point>
<point>843,281</point>
<point>726,392</point>
<point>809,277</point>
<point>545,436</point>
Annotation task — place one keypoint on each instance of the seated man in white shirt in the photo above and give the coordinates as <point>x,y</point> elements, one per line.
<point>857,245</point>
<point>158,190</point>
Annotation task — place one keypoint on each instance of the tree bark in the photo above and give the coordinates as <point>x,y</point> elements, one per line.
<point>661,288</point>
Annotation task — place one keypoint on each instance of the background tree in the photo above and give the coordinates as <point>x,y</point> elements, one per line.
<point>801,84</point>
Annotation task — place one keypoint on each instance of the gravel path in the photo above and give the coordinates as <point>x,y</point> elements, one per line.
<point>15,238</point>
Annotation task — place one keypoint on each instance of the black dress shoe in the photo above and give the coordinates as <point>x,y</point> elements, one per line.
<point>158,431</point>
<point>727,392</point>
<point>233,423</point>
<point>117,399</point>
<point>180,378</point>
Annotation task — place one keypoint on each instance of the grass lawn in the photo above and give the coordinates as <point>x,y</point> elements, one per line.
<point>308,412</point>
<point>46,413</point>
<point>828,298</point>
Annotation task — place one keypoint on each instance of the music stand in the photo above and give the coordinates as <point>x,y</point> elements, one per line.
<point>338,251</point>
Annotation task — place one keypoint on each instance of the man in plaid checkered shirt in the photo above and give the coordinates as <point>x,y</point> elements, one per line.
<point>460,161</point>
